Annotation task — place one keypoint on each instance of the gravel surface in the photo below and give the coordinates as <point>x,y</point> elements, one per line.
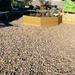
<point>15,22</point>
<point>30,50</point>
<point>18,22</point>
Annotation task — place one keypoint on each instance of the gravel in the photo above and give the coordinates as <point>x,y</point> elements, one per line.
<point>18,22</point>
<point>31,50</point>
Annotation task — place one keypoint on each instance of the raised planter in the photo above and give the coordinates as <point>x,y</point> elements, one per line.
<point>68,18</point>
<point>42,21</point>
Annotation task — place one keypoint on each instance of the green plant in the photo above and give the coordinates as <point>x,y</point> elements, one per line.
<point>12,3</point>
<point>55,11</point>
<point>43,14</point>
<point>27,1</point>
<point>47,13</point>
<point>37,14</point>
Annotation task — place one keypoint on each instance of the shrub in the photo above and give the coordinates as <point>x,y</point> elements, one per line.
<point>27,1</point>
<point>46,14</point>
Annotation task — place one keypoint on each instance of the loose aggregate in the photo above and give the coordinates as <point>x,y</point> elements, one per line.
<point>18,22</point>
<point>31,50</point>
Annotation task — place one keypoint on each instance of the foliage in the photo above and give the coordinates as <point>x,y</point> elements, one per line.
<point>27,1</point>
<point>13,1</point>
<point>46,14</point>
<point>55,11</point>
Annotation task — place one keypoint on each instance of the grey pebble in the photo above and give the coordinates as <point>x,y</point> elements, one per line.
<point>31,50</point>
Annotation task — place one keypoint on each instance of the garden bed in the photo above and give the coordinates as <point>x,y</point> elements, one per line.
<point>42,21</point>
<point>68,18</point>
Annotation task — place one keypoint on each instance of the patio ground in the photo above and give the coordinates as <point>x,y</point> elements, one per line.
<point>31,50</point>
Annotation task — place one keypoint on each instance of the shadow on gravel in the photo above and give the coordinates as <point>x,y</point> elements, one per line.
<point>11,16</point>
<point>4,24</point>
